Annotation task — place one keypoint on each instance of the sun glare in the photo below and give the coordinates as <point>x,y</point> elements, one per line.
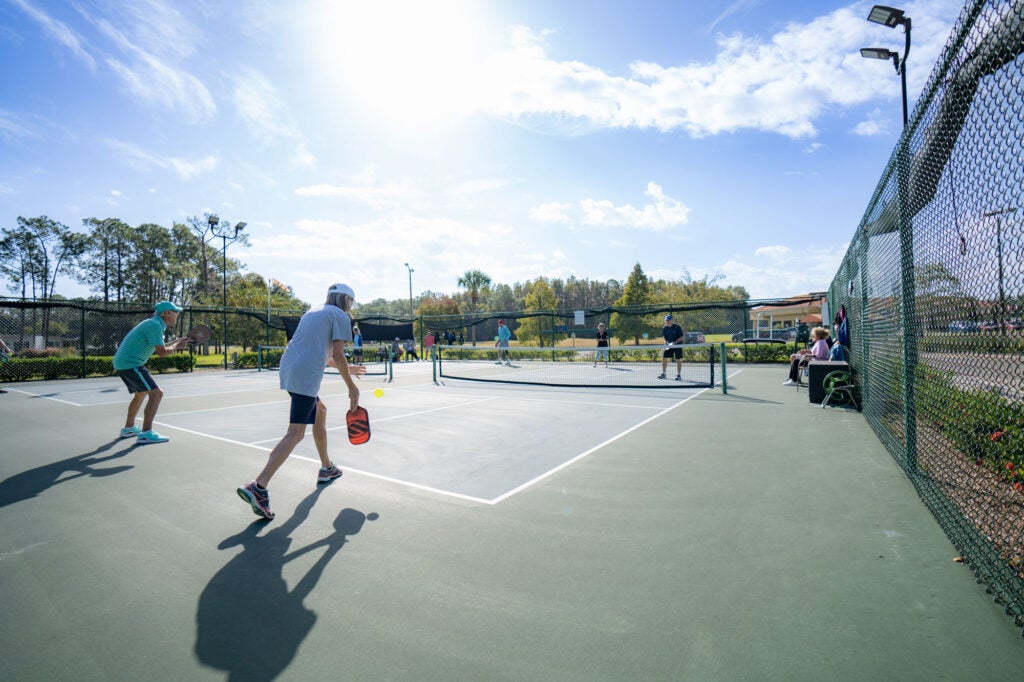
<point>408,62</point>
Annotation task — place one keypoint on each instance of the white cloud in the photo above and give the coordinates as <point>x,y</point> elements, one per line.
<point>373,195</point>
<point>875,124</point>
<point>11,127</point>
<point>186,169</point>
<point>781,84</point>
<point>267,117</point>
<point>480,186</point>
<point>552,212</point>
<point>778,271</point>
<point>370,254</point>
<point>59,31</point>
<point>150,73</point>
<point>663,213</point>
<point>773,252</point>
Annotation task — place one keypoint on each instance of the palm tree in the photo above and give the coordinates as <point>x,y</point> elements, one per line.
<point>473,281</point>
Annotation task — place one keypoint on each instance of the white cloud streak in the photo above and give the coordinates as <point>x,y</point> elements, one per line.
<point>664,213</point>
<point>59,31</point>
<point>267,117</point>
<point>185,169</point>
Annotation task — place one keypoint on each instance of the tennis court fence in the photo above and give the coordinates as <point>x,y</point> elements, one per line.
<point>933,290</point>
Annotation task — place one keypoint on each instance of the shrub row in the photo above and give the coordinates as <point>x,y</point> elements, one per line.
<point>66,367</point>
<point>983,425</point>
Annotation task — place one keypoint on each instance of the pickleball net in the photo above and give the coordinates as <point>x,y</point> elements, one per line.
<point>626,366</point>
<point>376,363</point>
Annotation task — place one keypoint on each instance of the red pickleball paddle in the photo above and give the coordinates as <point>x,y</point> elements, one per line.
<point>358,426</point>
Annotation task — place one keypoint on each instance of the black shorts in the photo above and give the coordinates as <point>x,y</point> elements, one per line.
<point>303,409</point>
<point>674,352</point>
<point>137,379</point>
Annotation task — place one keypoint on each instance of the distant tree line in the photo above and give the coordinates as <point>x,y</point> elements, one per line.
<point>120,263</point>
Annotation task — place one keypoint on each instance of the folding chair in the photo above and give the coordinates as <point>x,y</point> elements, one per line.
<point>839,386</point>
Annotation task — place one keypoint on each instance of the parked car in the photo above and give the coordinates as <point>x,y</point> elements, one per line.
<point>964,326</point>
<point>750,334</point>
<point>785,334</point>
<point>694,337</point>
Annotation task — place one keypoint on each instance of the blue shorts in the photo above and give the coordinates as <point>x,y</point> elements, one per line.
<point>137,379</point>
<point>303,409</point>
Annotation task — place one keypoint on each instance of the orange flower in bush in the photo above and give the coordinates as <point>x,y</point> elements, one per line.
<point>1010,466</point>
<point>995,436</point>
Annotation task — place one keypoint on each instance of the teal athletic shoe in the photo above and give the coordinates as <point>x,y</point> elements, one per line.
<point>149,437</point>
<point>130,432</point>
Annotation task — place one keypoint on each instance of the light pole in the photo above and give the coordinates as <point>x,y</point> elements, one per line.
<point>222,230</point>
<point>891,17</point>
<point>269,282</point>
<point>412,313</point>
<point>999,251</point>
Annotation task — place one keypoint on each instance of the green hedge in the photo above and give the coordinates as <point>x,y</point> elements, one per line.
<point>70,367</point>
<point>983,425</point>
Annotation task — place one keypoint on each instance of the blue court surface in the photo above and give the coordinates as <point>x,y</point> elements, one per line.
<point>481,442</point>
<point>486,532</point>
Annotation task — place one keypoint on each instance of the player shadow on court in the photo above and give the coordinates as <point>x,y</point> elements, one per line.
<point>34,482</point>
<point>248,622</point>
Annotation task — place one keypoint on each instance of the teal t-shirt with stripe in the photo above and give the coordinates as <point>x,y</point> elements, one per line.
<point>137,346</point>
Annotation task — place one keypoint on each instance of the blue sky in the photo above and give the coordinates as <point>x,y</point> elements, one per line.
<point>530,138</point>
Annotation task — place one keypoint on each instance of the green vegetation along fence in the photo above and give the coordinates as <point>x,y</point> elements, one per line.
<point>60,338</point>
<point>933,288</point>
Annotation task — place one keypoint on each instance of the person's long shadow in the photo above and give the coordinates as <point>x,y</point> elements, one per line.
<point>34,482</point>
<point>248,622</point>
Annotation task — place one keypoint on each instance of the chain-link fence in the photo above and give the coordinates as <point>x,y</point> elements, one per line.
<point>933,289</point>
<point>63,339</point>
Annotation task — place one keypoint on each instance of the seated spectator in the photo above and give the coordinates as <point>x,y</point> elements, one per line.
<point>818,351</point>
<point>410,351</point>
<point>396,350</point>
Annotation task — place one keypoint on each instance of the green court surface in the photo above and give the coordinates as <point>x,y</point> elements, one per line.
<point>486,532</point>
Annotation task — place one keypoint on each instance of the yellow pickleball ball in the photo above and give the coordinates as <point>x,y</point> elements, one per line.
<point>378,392</point>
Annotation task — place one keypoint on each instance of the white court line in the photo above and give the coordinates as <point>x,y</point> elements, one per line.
<point>580,456</point>
<point>462,496</point>
<point>401,416</point>
<point>210,435</point>
<point>389,479</point>
<point>44,397</point>
<point>226,407</point>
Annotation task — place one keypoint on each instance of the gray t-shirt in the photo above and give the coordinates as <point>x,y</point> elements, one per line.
<point>303,362</point>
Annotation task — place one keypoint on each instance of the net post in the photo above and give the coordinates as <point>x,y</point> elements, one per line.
<point>259,358</point>
<point>389,365</point>
<point>725,381</point>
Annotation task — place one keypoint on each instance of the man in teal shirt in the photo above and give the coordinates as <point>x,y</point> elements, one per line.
<point>504,334</point>
<point>135,350</point>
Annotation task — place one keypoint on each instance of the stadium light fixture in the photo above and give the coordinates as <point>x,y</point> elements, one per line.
<point>222,230</point>
<point>891,17</point>
<point>887,16</point>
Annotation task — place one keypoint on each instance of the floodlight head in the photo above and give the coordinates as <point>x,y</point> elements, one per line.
<point>887,16</point>
<point>877,53</point>
<point>213,220</point>
<point>239,227</point>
